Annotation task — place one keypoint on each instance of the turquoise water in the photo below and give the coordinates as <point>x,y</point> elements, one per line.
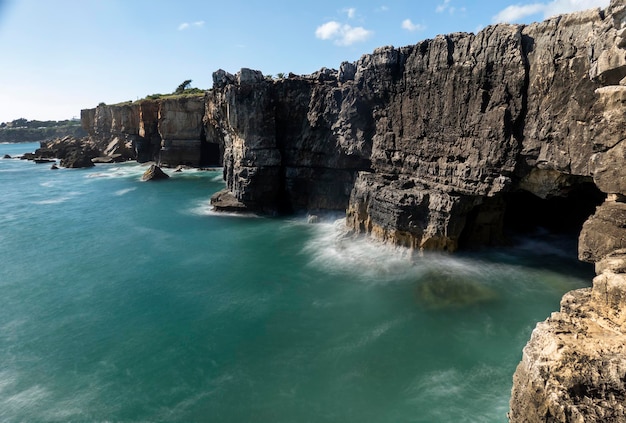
<point>130,301</point>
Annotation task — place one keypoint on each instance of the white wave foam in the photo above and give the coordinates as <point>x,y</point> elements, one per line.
<point>204,208</point>
<point>117,171</point>
<point>58,200</point>
<point>333,248</point>
<point>124,191</point>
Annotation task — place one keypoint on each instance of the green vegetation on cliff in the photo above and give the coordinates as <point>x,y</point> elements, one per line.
<point>183,90</point>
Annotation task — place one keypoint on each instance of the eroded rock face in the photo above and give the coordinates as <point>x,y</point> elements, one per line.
<point>290,144</point>
<point>573,368</point>
<point>181,130</point>
<point>167,130</point>
<point>464,118</point>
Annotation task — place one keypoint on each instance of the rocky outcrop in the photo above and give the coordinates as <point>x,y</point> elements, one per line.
<point>284,141</point>
<point>154,173</point>
<point>573,369</point>
<point>73,152</point>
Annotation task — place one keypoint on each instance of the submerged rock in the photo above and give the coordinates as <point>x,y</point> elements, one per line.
<point>154,173</point>
<point>441,290</point>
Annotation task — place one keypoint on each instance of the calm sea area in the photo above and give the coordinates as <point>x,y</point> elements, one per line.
<point>129,301</point>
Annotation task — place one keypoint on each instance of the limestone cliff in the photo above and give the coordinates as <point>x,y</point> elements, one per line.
<point>168,130</point>
<point>424,145</point>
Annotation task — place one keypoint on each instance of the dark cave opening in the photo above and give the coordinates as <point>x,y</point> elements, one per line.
<point>501,219</point>
<point>525,212</point>
<point>210,154</point>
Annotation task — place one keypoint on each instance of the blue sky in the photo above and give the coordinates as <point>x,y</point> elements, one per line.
<point>60,56</point>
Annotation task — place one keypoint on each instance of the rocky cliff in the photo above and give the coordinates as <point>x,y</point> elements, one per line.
<point>168,130</point>
<point>428,146</point>
<point>442,145</point>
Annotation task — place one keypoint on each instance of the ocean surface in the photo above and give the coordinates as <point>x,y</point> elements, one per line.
<point>129,301</point>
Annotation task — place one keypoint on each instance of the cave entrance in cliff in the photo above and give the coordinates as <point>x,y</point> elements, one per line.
<point>526,213</point>
<point>502,218</point>
<point>210,154</point>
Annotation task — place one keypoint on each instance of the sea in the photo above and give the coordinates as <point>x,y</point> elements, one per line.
<point>131,301</point>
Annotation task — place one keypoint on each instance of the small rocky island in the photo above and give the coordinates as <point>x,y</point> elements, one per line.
<point>440,145</point>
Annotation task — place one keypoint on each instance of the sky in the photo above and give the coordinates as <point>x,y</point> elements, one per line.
<point>58,57</point>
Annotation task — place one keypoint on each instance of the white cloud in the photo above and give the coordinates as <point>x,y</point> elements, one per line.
<point>558,7</point>
<point>186,25</point>
<point>410,26</point>
<point>516,13</point>
<point>382,9</point>
<point>342,35</point>
<point>328,30</point>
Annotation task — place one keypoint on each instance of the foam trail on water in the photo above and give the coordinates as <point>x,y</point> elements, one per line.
<point>58,200</point>
<point>118,171</point>
<point>124,191</point>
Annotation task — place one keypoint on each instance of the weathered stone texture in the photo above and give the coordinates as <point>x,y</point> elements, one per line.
<point>181,129</point>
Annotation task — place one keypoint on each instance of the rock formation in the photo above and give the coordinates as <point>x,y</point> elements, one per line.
<point>154,173</point>
<point>441,145</point>
<point>168,130</point>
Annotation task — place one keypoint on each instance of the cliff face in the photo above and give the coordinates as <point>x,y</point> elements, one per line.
<point>573,368</point>
<point>168,130</point>
<point>288,143</point>
<point>422,145</point>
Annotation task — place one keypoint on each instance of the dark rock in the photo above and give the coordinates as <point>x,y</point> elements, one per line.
<point>54,167</point>
<point>77,159</point>
<point>154,173</point>
<point>225,201</point>
<point>6,156</point>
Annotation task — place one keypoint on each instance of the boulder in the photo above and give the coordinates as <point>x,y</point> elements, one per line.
<point>225,201</point>
<point>154,173</point>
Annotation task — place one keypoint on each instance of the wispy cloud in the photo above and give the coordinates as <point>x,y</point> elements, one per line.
<point>342,34</point>
<point>558,7</point>
<point>350,11</point>
<point>516,13</point>
<point>445,6</point>
<point>410,26</point>
<point>186,25</point>
<point>382,9</point>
